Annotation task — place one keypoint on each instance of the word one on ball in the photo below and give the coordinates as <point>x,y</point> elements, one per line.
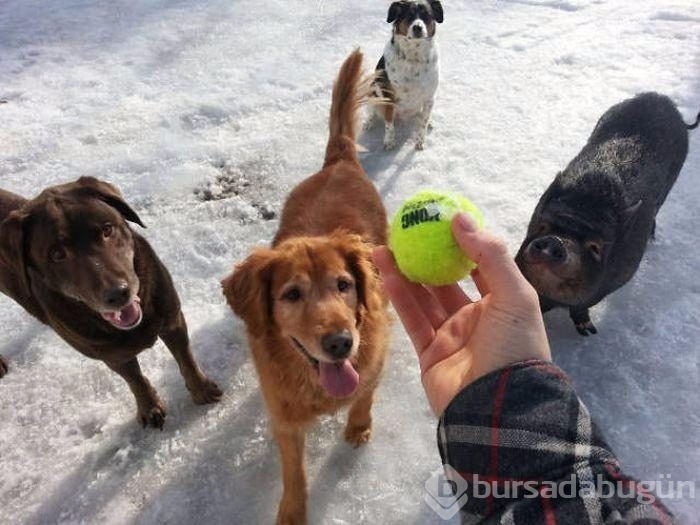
<point>421,240</point>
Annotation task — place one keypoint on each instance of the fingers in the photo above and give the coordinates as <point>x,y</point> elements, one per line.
<point>479,281</point>
<point>451,297</point>
<point>448,341</point>
<point>401,294</point>
<point>432,309</point>
<point>497,270</point>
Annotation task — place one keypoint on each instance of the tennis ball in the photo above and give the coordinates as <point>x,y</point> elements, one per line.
<point>421,238</point>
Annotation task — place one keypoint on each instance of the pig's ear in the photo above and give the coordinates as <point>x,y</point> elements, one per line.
<point>555,186</point>
<point>629,214</point>
<point>551,192</point>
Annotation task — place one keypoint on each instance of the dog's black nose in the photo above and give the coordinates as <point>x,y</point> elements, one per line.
<point>417,30</point>
<point>548,249</point>
<point>116,296</point>
<point>337,344</point>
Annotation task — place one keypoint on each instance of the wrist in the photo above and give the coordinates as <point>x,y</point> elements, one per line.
<point>487,376</point>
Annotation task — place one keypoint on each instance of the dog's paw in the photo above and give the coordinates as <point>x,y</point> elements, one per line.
<point>3,366</point>
<point>368,124</point>
<point>152,412</point>
<point>206,391</point>
<point>420,145</point>
<point>358,435</point>
<point>389,144</point>
<point>153,416</point>
<point>292,511</point>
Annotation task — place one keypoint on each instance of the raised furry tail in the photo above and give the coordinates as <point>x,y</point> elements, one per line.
<point>351,90</point>
<point>695,124</point>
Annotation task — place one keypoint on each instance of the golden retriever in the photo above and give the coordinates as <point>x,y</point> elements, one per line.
<point>314,310</point>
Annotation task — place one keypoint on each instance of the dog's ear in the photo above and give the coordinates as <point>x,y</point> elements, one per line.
<point>248,291</point>
<point>14,236</point>
<point>436,6</point>
<point>109,194</point>
<point>395,11</point>
<point>358,255</point>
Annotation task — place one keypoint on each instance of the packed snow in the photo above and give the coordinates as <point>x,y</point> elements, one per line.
<point>205,113</point>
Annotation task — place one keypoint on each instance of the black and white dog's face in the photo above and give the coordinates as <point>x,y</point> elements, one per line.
<point>415,19</point>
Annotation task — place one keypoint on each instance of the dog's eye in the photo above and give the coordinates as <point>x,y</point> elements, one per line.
<point>344,285</point>
<point>292,295</point>
<point>542,229</point>
<point>58,254</point>
<point>107,230</point>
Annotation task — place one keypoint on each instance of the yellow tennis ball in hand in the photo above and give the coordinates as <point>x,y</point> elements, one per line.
<point>421,240</point>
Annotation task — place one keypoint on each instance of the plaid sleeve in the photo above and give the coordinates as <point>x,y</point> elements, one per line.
<point>519,446</point>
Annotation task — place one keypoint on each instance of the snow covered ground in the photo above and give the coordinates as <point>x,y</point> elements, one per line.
<point>179,101</point>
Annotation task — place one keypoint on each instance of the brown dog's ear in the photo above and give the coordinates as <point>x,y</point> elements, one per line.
<point>358,255</point>
<point>13,247</point>
<point>248,291</point>
<point>111,195</point>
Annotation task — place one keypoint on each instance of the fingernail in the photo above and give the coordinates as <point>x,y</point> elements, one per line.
<point>465,222</point>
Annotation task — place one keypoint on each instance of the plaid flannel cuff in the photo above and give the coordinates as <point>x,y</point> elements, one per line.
<point>523,423</point>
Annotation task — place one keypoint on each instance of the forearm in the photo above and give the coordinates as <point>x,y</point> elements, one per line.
<point>526,446</point>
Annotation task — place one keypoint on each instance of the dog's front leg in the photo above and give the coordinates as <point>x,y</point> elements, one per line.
<point>3,366</point>
<point>151,410</point>
<point>423,124</point>
<point>359,426</point>
<point>202,389</point>
<point>292,509</point>
<point>389,130</point>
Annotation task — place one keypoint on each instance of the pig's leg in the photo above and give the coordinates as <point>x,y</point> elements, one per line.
<point>582,321</point>
<point>546,305</point>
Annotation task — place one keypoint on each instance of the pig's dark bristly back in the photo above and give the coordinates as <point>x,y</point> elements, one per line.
<point>643,143</point>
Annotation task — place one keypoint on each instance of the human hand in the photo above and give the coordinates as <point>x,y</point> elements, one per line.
<point>459,340</point>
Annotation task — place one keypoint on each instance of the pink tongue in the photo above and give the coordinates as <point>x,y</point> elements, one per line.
<point>130,314</point>
<point>126,316</point>
<point>338,379</point>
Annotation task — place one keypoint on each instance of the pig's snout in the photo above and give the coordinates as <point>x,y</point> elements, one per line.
<point>549,249</point>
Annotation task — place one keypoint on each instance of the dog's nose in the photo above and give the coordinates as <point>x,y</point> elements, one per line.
<point>417,30</point>
<point>337,344</point>
<point>548,249</point>
<point>116,296</point>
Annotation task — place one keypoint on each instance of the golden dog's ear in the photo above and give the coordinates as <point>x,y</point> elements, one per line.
<point>110,195</point>
<point>358,255</point>
<point>14,250</point>
<point>248,291</point>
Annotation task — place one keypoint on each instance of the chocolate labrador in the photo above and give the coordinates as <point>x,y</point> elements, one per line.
<point>72,261</point>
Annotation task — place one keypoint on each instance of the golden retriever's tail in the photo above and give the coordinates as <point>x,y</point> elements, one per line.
<point>351,90</point>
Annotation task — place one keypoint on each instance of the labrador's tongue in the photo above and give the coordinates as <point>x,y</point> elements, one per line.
<point>338,379</point>
<point>125,317</point>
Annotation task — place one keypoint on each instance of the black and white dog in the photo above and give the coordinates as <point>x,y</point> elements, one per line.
<point>408,72</point>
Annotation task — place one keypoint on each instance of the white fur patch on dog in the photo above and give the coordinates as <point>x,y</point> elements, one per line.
<point>413,70</point>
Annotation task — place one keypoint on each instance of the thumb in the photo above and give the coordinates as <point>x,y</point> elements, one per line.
<point>497,269</point>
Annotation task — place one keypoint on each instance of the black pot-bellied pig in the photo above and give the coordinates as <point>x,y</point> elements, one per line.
<point>589,230</point>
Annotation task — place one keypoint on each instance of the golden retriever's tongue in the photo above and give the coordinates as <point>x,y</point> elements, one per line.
<point>338,379</point>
